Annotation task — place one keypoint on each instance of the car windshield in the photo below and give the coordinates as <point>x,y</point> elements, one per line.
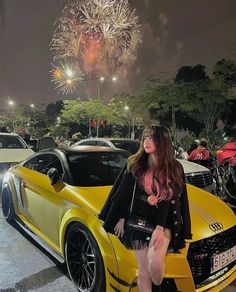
<point>96,168</point>
<point>130,146</point>
<point>12,142</point>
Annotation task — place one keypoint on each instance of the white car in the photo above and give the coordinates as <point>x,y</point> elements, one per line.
<point>195,174</point>
<point>13,149</point>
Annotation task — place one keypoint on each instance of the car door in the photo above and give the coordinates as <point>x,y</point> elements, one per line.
<point>42,202</point>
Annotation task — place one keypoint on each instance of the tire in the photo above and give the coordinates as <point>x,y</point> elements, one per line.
<point>7,204</point>
<point>84,260</point>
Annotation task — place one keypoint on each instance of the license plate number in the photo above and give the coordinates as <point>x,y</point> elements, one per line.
<point>221,260</point>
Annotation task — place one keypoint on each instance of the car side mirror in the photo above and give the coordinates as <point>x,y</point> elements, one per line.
<point>53,175</point>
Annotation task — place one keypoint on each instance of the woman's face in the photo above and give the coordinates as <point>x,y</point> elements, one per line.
<point>148,143</point>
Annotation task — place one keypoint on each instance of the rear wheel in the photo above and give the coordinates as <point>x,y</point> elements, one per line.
<point>7,204</point>
<point>84,260</point>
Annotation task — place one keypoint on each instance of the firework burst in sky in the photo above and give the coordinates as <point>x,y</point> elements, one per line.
<point>100,35</point>
<point>67,77</point>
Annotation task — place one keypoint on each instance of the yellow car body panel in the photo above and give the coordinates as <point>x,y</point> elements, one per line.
<point>49,210</point>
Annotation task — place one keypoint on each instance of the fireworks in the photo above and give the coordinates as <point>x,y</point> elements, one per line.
<point>100,35</point>
<point>67,78</point>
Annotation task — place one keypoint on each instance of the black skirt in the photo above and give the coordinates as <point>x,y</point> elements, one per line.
<point>134,239</point>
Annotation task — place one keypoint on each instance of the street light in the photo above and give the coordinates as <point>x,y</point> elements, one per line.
<point>131,120</point>
<point>11,104</point>
<point>102,79</point>
<point>127,109</point>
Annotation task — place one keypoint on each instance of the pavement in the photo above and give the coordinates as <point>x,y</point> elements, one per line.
<point>25,267</point>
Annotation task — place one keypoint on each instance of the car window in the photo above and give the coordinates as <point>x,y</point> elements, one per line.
<point>130,146</point>
<point>12,142</point>
<point>42,163</point>
<point>88,143</point>
<point>96,168</point>
<point>30,163</point>
<point>101,143</point>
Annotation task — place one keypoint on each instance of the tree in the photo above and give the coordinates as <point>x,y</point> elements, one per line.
<point>164,99</point>
<point>191,73</point>
<point>225,70</point>
<point>83,112</point>
<point>207,99</point>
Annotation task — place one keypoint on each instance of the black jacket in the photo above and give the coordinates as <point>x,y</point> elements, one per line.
<point>177,208</point>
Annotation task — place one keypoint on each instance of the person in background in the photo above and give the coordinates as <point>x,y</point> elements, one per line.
<point>4,129</point>
<point>75,138</point>
<point>201,152</point>
<point>193,146</point>
<point>153,183</point>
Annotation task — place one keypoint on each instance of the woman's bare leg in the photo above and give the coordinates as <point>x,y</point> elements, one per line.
<point>144,278</point>
<point>156,259</point>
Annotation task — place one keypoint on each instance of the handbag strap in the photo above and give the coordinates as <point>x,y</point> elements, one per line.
<point>132,202</point>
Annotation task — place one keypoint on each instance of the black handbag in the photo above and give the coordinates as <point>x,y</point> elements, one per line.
<point>138,223</point>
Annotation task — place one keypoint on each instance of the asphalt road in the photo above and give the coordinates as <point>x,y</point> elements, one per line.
<point>24,266</point>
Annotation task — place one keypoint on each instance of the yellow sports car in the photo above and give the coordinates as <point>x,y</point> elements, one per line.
<point>56,195</point>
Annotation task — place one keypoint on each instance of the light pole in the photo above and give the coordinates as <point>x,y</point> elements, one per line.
<point>11,104</point>
<point>133,132</point>
<point>101,80</point>
<point>127,109</point>
<point>131,122</point>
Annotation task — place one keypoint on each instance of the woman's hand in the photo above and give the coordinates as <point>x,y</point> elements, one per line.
<point>157,238</point>
<point>119,228</point>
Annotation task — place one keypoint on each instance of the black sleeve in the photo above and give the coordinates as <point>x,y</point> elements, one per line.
<point>185,211</point>
<point>106,207</point>
<point>163,209</point>
<point>120,203</point>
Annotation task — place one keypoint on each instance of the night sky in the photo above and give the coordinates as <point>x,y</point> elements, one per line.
<point>175,33</point>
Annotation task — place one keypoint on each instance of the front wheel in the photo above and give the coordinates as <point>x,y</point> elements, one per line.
<point>84,260</point>
<point>7,204</point>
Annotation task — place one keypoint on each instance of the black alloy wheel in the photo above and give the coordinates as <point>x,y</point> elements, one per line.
<point>7,204</point>
<point>84,260</point>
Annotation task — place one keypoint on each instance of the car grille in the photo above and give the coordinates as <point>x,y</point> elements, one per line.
<point>200,179</point>
<point>200,255</point>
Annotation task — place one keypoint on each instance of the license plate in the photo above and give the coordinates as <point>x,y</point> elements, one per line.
<point>221,260</point>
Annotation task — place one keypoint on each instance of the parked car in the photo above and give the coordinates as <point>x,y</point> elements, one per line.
<point>56,196</point>
<point>195,174</point>
<point>226,171</point>
<point>129,145</point>
<point>13,149</point>
<point>226,152</point>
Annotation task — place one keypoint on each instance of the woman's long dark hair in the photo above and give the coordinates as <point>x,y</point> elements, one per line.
<point>167,170</point>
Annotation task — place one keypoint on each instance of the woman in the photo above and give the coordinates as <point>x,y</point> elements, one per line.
<point>160,197</point>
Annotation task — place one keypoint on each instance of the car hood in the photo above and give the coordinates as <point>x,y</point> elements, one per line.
<point>191,166</point>
<point>14,155</point>
<point>209,215</point>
